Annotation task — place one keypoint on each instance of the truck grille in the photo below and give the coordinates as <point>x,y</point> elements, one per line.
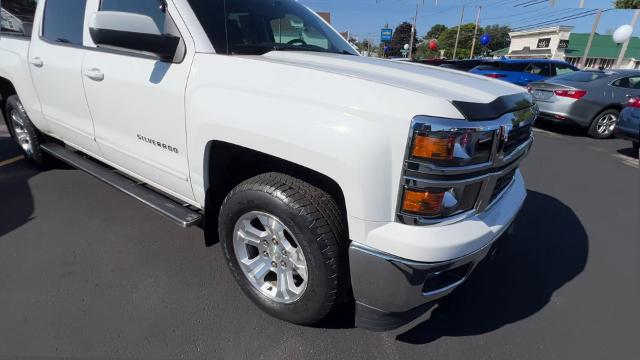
<point>517,137</point>
<point>502,183</point>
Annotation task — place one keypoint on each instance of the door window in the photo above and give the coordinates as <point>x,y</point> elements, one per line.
<point>150,8</point>
<point>631,82</point>
<point>541,69</point>
<point>16,16</point>
<point>64,21</point>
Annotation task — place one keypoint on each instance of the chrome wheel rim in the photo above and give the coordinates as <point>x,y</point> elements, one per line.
<point>270,257</point>
<point>606,124</point>
<point>22,135</point>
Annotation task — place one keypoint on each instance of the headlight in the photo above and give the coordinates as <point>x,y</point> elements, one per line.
<point>440,202</point>
<point>452,148</point>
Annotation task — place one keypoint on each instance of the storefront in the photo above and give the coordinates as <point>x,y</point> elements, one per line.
<point>560,43</point>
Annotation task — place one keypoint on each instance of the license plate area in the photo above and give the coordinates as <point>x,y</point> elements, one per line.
<point>542,94</point>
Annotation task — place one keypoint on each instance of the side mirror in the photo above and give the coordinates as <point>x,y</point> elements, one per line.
<point>132,32</point>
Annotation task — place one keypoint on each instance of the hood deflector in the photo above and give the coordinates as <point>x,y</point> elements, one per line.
<point>493,110</point>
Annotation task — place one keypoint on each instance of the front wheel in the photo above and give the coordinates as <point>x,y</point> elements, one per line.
<point>285,243</point>
<point>603,124</point>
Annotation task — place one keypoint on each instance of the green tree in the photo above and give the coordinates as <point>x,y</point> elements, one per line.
<point>401,36</point>
<point>499,40</point>
<point>447,40</point>
<point>435,31</point>
<point>627,4</point>
<point>499,37</point>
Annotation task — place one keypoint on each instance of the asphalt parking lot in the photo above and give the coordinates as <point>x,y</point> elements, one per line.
<point>87,272</point>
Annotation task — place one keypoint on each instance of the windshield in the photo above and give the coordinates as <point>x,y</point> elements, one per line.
<point>583,76</point>
<point>255,27</point>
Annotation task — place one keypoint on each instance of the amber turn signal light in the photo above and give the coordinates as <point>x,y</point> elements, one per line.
<point>424,203</point>
<point>433,148</point>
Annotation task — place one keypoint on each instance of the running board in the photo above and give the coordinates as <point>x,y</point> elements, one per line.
<point>174,211</point>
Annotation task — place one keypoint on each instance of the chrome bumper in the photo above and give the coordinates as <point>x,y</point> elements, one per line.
<point>391,291</point>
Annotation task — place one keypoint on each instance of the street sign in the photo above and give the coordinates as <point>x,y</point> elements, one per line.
<point>386,35</point>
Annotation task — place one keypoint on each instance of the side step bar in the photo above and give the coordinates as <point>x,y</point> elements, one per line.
<point>175,212</point>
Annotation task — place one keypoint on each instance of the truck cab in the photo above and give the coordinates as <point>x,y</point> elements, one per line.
<point>324,175</point>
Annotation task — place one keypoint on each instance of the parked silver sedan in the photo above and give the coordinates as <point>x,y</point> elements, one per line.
<point>591,99</point>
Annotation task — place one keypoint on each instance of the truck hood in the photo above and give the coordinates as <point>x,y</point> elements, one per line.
<point>451,85</point>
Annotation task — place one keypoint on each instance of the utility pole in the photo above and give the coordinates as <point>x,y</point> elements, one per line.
<point>475,33</point>
<point>636,14</point>
<point>413,30</point>
<point>455,48</point>
<point>552,3</point>
<point>583,61</point>
<point>581,6</point>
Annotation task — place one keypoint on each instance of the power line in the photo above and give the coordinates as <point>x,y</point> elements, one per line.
<point>557,21</point>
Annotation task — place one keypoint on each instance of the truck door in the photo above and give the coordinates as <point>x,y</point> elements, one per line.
<point>137,102</point>
<point>55,58</point>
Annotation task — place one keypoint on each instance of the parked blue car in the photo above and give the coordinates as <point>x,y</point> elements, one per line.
<point>523,71</point>
<point>628,126</point>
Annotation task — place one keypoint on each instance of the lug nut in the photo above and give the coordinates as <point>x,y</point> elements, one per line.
<point>284,253</point>
<point>274,241</point>
<point>274,264</point>
<point>264,243</point>
<point>265,254</point>
<point>284,264</point>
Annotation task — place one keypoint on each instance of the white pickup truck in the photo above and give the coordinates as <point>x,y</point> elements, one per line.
<point>326,176</point>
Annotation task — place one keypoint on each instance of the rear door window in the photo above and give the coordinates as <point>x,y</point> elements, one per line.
<point>16,16</point>
<point>631,82</point>
<point>64,21</point>
<point>515,67</point>
<point>541,69</point>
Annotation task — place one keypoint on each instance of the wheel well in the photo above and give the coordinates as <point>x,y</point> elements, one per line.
<point>227,165</point>
<point>6,89</point>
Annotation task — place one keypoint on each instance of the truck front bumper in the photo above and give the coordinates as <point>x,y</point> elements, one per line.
<point>391,291</point>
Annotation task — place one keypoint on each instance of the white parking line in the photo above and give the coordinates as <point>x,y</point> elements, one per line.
<point>4,132</point>
<point>11,161</point>
<point>634,163</point>
<point>552,134</point>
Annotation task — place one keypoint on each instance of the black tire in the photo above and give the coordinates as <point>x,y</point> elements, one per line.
<point>636,148</point>
<point>593,128</point>
<point>32,150</point>
<point>314,219</point>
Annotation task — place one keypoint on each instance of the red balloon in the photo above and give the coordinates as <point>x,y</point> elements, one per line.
<point>433,45</point>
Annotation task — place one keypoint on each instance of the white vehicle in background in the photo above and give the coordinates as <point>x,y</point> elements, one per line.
<point>325,175</point>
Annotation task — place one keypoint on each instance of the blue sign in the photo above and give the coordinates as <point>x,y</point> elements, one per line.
<point>386,35</point>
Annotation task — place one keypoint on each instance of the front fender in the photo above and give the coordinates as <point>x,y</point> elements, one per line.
<point>351,130</point>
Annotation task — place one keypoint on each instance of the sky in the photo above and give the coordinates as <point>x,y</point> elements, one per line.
<point>365,18</point>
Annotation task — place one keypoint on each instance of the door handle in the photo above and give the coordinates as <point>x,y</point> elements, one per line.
<point>94,74</point>
<point>37,62</point>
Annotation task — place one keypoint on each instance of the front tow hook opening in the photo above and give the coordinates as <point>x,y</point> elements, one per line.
<point>445,281</point>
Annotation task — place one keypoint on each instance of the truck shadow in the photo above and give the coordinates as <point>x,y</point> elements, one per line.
<point>548,249</point>
<point>568,128</point>
<point>16,201</point>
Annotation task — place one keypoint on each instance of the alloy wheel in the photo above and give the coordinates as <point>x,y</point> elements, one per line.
<point>22,135</point>
<point>606,124</point>
<point>270,257</point>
